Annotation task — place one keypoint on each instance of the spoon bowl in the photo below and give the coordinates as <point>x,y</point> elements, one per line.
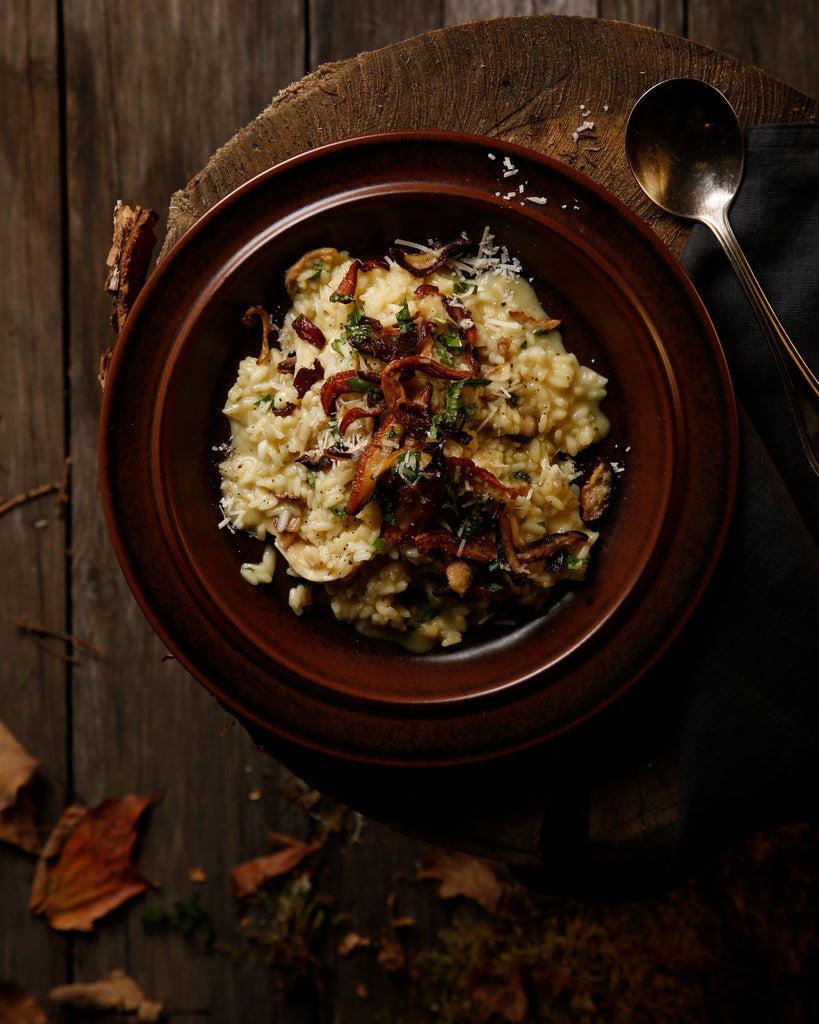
<point>685,148</point>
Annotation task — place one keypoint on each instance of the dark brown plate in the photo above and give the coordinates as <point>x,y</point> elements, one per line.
<point>628,310</point>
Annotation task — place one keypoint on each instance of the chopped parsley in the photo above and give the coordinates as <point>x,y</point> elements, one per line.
<point>456,412</point>
<point>465,288</point>
<point>266,400</point>
<point>317,272</point>
<point>357,384</point>
<point>473,518</point>
<point>356,332</point>
<point>408,466</point>
<point>385,503</point>
<point>404,318</point>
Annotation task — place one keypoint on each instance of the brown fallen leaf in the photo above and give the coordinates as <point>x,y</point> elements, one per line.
<point>18,1007</point>
<point>461,874</point>
<point>17,771</point>
<point>496,992</point>
<point>391,954</point>
<point>247,877</point>
<point>351,941</point>
<point>118,992</point>
<point>84,870</point>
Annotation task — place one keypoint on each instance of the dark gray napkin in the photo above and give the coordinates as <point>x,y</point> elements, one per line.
<point>749,743</point>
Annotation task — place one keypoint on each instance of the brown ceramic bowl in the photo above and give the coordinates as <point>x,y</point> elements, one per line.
<point>628,310</point>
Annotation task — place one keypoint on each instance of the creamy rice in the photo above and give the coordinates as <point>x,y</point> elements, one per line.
<point>477,436</point>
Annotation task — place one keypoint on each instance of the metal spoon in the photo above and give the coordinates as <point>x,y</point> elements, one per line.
<point>685,148</point>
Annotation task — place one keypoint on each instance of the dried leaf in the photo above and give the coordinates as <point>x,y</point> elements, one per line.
<point>351,941</point>
<point>246,878</point>
<point>17,771</point>
<point>118,992</point>
<point>497,992</point>
<point>84,869</point>
<point>461,874</point>
<point>391,955</point>
<point>18,1007</point>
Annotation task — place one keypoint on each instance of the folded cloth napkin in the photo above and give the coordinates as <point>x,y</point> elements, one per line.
<point>749,740</point>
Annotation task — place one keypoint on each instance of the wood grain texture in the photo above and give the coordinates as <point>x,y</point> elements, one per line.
<point>490,78</point>
<point>147,99</point>
<point>32,539</point>
<point>782,39</point>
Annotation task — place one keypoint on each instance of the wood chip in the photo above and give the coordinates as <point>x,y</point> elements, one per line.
<point>128,260</point>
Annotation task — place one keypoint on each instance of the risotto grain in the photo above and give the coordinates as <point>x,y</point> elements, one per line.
<point>405,440</point>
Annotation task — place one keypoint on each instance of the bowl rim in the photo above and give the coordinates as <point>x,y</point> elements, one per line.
<point>316,736</point>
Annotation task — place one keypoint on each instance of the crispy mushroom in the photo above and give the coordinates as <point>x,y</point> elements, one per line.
<point>310,259</point>
<point>307,331</point>
<point>306,377</point>
<point>346,289</point>
<point>534,323</point>
<point>546,547</point>
<point>414,413</point>
<point>421,264</point>
<point>480,548</point>
<point>595,492</point>
<point>267,328</point>
<point>344,382</point>
<point>382,451</point>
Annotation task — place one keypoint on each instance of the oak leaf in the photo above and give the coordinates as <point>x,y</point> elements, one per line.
<point>119,993</point>
<point>461,874</point>
<point>249,876</point>
<point>84,870</point>
<point>17,771</point>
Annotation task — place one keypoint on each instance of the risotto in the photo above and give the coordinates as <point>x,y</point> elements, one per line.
<point>405,438</point>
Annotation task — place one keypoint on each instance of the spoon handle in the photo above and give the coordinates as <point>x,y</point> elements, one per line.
<point>801,385</point>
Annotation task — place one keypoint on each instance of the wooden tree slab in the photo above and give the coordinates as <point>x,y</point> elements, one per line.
<point>534,81</point>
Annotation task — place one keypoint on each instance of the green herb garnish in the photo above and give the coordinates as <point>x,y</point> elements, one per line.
<point>404,318</point>
<point>357,384</point>
<point>465,288</point>
<point>408,466</point>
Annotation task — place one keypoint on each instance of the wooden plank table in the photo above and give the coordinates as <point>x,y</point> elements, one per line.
<point>102,102</point>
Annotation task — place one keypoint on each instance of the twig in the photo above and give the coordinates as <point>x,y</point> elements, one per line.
<point>36,629</point>
<point>21,499</point>
<point>72,659</point>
